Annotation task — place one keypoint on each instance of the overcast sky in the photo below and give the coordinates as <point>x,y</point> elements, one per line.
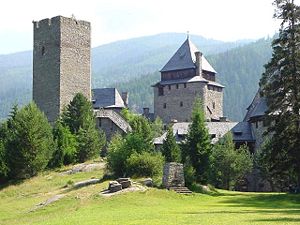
<point>113,20</point>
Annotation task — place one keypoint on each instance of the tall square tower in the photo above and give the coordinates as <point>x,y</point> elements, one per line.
<point>61,63</point>
<point>186,75</point>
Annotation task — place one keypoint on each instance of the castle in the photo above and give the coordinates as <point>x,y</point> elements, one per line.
<point>62,68</point>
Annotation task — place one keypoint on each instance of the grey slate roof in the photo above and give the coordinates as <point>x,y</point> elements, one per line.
<point>189,80</point>
<point>184,58</point>
<point>218,129</point>
<point>257,108</point>
<point>242,132</point>
<point>107,98</point>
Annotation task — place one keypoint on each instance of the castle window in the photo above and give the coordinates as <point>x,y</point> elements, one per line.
<point>181,104</point>
<point>169,86</point>
<point>177,86</point>
<point>214,105</point>
<point>165,105</point>
<point>161,91</point>
<point>99,123</point>
<point>184,85</point>
<point>256,124</point>
<point>43,50</point>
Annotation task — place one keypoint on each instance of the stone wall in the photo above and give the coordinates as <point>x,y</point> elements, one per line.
<point>214,101</point>
<point>61,63</point>
<point>178,99</point>
<point>173,175</point>
<point>258,129</point>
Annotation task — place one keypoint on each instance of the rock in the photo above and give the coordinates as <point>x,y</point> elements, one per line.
<point>119,180</point>
<point>125,184</point>
<point>84,168</point>
<point>86,183</point>
<point>148,182</point>
<point>112,183</point>
<point>115,187</point>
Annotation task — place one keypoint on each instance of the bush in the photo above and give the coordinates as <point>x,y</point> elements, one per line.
<point>145,164</point>
<point>189,174</point>
<point>117,155</point>
<point>66,146</point>
<point>120,149</point>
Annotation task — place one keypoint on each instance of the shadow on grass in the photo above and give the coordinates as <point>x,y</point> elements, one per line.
<point>282,219</point>
<point>266,201</point>
<point>6,184</point>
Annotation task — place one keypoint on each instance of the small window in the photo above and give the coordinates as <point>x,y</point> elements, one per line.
<point>184,85</point>
<point>181,104</point>
<point>99,123</point>
<point>43,50</point>
<point>160,91</point>
<point>177,86</point>
<point>256,124</point>
<point>169,86</point>
<point>165,105</point>
<point>214,105</point>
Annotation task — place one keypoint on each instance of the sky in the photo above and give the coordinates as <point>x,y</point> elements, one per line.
<point>113,20</point>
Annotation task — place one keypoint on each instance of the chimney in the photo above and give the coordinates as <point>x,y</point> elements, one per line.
<point>146,112</point>
<point>125,98</point>
<point>198,63</point>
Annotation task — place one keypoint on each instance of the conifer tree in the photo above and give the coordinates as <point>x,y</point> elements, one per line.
<point>228,164</point>
<point>280,85</point>
<point>66,146</point>
<point>170,148</point>
<point>30,142</point>
<point>79,117</point>
<point>198,147</point>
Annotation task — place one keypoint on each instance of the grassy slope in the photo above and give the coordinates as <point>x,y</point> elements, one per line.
<point>85,206</point>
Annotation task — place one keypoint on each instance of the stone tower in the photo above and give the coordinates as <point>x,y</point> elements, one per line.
<point>187,75</point>
<point>61,63</point>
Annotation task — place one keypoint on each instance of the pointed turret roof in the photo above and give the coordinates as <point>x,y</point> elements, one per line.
<point>185,58</point>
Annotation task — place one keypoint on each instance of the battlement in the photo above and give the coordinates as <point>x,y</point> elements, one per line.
<point>59,19</point>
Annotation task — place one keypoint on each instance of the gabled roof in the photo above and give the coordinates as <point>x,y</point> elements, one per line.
<point>242,132</point>
<point>185,58</point>
<point>216,129</point>
<point>107,98</point>
<point>257,108</point>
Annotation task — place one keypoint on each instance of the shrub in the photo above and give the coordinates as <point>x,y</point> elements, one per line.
<point>145,164</point>
<point>117,155</point>
<point>66,146</point>
<point>120,149</point>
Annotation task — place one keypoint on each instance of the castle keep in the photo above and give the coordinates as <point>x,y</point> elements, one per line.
<point>187,75</point>
<point>61,63</point>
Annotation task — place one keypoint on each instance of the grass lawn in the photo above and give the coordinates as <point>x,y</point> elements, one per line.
<point>154,206</point>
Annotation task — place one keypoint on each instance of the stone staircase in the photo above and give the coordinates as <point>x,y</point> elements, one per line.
<point>181,190</point>
<point>115,117</point>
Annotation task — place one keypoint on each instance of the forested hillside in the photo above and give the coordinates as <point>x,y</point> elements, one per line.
<point>133,65</point>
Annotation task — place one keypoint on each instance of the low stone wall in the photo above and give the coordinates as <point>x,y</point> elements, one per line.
<point>173,175</point>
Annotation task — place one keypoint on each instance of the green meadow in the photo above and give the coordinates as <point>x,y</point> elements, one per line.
<point>154,206</point>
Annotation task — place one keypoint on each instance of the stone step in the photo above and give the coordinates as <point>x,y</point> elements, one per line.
<point>181,190</point>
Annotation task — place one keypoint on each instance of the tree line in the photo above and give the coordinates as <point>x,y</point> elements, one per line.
<point>29,144</point>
